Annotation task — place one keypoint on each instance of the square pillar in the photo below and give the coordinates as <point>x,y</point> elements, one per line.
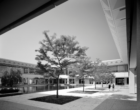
<point>28,70</point>
<point>86,81</point>
<point>125,81</point>
<point>76,81</point>
<point>68,80</point>
<point>132,81</point>
<point>137,11</point>
<point>114,80</point>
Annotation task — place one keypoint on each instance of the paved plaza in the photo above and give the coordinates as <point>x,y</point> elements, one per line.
<point>119,99</point>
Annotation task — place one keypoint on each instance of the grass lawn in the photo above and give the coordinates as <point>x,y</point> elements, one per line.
<point>52,99</point>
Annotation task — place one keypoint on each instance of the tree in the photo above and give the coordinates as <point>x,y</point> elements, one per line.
<point>82,68</point>
<point>11,79</point>
<point>101,72</point>
<point>95,73</point>
<point>57,53</point>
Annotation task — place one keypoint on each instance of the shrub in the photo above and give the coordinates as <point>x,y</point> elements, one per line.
<point>10,79</point>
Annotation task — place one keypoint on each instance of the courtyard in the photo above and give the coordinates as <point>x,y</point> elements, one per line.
<point>119,99</point>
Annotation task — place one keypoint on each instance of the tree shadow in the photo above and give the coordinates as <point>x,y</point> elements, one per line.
<point>109,91</point>
<point>96,89</point>
<point>83,92</point>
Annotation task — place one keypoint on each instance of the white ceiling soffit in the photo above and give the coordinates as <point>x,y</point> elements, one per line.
<point>15,12</point>
<point>115,13</point>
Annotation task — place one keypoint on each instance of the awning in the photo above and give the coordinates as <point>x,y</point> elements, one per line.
<point>121,74</point>
<point>63,76</point>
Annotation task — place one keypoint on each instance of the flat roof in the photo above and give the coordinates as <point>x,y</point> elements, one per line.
<point>7,62</point>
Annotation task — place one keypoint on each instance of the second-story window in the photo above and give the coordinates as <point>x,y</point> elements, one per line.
<point>31,70</point>
<point>25,70</point>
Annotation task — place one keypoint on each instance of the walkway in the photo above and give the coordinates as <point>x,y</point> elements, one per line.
<point>120,99</point>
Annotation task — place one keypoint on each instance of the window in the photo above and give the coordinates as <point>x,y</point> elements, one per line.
<point>71,81</point>
<point>31,70</point>
<point>122,68</point>
<point>62,81</point>
<point>25,70</point>
<point>90,81</point>
<point>81,81</point>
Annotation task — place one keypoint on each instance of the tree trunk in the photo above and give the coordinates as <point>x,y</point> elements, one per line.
<point>57,89</point>
<point>95,84</point>
<point>83,84</point>
<point>102,84</point>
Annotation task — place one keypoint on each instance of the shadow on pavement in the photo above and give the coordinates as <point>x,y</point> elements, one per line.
<point>118,102</point>
<point>110,91</point>
<point>85,92</point>
<point>122,97</point>
<point>96,89</point>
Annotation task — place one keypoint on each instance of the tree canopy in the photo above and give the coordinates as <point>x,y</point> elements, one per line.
<point>11,79</point>
<point>55,54</point>
<point>101,72</point>
<point>82,68</point>
<point>58,53</point>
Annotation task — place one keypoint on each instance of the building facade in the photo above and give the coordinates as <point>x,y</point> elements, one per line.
<point>29,74</point>
<point>120,71</point>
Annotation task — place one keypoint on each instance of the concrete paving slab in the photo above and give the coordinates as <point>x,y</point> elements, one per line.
<point>119,99</point>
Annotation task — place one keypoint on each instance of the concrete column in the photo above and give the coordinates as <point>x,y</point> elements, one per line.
<point>28,70</point>
<point>44,81</point>
<point>76,81</point>
<point>125,81</point>
<point>0,81</point>
<point>114,81</point>
<point>137,3</point>
<point>65,81</point>
<point>67,73</point>
<point>52,81</point>
<point>68,80</point>
<point>48,81</point>
<point>86,81</point>
<point>132,81</point>
<point>27,80</point>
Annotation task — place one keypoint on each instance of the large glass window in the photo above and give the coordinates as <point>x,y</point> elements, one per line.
<point>3,69</point>
<point>113,68</point>
<point>118,68</point>
<point>122,68</point>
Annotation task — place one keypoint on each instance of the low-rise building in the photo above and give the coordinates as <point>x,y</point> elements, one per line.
<point>120,71</point>
<point>29,74</point>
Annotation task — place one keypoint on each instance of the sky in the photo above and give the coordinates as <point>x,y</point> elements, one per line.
<point>84,19</point>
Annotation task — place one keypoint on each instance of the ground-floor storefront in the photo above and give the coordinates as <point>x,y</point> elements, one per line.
<point>121,78</point>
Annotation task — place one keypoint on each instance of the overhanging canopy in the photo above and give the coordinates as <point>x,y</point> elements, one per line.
<point>121,74</point>
<point>15,12</point>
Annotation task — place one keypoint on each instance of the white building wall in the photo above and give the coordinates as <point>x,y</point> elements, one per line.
<point>86,81</point>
